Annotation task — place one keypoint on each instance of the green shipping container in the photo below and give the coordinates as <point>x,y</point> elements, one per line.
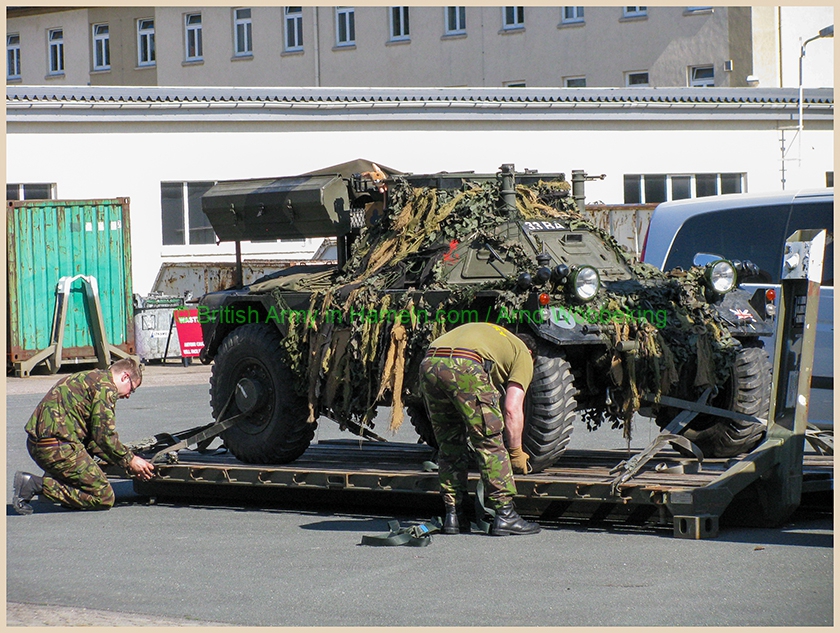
<point>51,239</point>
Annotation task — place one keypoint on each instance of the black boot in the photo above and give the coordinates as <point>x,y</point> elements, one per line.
<point>507,521</point>
<point>27,486</point>
<point>455,521</point>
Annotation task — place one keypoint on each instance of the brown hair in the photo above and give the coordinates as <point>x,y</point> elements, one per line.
<point>131,366</point>
<point>529,340</point>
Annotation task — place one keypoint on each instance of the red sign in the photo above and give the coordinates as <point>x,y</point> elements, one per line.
<point>189,332</point>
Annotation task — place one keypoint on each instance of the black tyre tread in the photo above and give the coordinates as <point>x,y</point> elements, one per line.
<point>288,434</point>
<point>421,423</point>
<point>724,437</point>
<point>549,409</point>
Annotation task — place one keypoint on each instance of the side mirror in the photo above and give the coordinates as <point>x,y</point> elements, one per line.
<point>703,259</point>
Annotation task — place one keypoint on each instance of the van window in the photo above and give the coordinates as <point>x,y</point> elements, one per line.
<point>756,234</point>
<point>816,215</point>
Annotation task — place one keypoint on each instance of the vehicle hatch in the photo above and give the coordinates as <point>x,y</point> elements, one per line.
<point>577,247</point>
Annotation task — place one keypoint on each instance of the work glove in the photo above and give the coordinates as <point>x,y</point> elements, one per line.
<point>519,461</point>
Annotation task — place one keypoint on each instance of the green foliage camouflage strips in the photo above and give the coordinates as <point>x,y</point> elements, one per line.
<point>346,367</point>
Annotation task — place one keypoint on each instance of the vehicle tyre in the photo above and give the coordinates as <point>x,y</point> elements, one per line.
<point>747,391</point>
<point>276,432</point>
<point>549,409</point>
<point>422,424</point>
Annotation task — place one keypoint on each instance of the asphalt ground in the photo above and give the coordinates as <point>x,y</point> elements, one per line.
<point>189,562</point>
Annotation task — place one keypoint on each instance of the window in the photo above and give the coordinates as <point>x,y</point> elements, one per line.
<point>399,23</point>
<point>702,76</point>
<point>456,20</point>
<point>635,12</point>
<point>721,232</point>
<point>242,43</point>
<point>101,47</point>
<point>145,42</point>
<point>680,187</point>
<point>575,82</point>
<point>294,28</point>
<point>655,188</point>
<point>707,185</point>
<point>56,38</point>
<point>518,83</point>
<point>717,233</point>
<point>345,26</point>
<point>13,56</point>
<point>34,191</point>
<point>192,31</point>
<point>180,204</point>
<point>513,17</point>
<point>572,15</point>
<point>636,78</point>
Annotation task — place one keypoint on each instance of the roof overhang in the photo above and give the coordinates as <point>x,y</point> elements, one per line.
<point>126,104</point>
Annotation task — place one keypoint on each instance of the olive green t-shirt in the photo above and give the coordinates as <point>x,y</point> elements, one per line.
<point>511,359</point>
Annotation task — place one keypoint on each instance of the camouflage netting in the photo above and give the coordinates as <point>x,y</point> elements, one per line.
<point>368,354</point>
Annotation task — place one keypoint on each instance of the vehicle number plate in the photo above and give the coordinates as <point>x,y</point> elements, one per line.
<point>544,226</point>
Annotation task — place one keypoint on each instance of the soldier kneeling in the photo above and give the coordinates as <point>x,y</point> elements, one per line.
<point>71,425</point>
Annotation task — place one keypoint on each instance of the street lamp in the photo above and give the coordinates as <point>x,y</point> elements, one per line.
<point>826,32</point>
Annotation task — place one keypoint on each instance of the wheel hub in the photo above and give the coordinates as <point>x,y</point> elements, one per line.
<point>249,395</point>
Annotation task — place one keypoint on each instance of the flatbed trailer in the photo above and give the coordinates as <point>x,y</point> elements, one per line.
<point>763,487</point>
<point>581,486</point>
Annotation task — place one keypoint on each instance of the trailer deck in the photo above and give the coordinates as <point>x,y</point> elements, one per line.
<point>581,485</point>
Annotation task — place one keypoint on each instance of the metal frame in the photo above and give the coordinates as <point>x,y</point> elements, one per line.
<point>51,355</point>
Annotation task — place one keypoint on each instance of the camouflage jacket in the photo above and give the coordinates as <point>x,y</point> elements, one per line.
<point>80,409</point>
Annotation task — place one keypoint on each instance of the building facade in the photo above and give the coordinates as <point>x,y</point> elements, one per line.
<point>162,147</point>
<point>376,46</point>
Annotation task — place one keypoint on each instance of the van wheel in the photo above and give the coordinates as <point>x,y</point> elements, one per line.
<point>747,391</point>
<point>549,409</point>
<point>276,430</point>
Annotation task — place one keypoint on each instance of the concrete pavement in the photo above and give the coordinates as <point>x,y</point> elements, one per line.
<point>286,564</point>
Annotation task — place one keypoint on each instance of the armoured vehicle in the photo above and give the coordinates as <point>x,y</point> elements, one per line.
<point>420,254</point>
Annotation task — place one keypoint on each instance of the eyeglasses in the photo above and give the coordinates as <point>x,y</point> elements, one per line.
<point>131,382</point>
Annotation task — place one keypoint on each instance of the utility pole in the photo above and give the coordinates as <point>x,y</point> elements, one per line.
<point>826,32</point>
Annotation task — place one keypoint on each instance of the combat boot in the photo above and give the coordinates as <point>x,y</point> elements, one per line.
<point>507,521</point>
<point>27,486</point>
<point>455,521</point>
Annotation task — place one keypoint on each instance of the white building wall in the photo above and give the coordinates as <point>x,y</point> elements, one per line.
<point>132,160</point>
<point>797,25</point>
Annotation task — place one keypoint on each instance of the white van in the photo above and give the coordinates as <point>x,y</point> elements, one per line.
<point>754,227</point>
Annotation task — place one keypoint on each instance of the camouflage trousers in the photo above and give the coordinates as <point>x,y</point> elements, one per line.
<point>463,407</point>
<point>72,477</point>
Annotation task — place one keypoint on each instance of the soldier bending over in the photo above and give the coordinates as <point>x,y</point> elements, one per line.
<point>461,379</point>
<point>73,423</point>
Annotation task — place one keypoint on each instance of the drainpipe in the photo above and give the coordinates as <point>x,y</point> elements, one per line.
<point>317,47</point>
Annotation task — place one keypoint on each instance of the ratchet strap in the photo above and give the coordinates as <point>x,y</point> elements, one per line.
<point>206,433</point>
<point>414,536</point>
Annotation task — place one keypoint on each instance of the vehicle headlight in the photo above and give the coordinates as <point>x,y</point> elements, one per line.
<point>721,276</point>
<point>585,283</point>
